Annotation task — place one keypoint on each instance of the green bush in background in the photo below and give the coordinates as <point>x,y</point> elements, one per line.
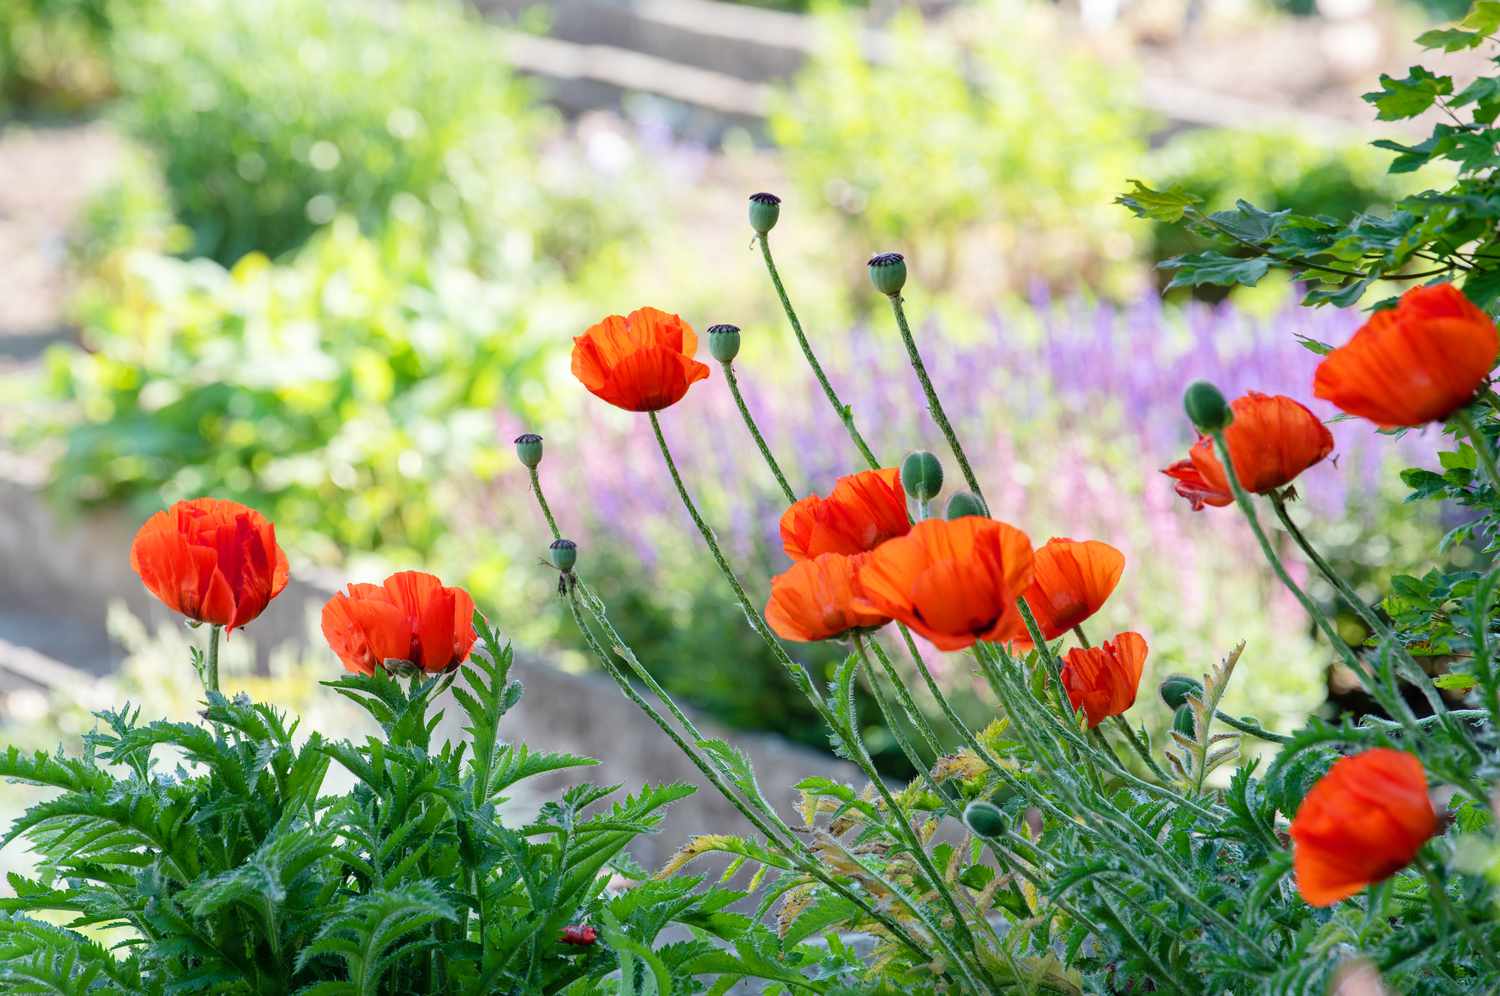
<point>968,147</point>
<point>55,55</point>
<point>271,118</point>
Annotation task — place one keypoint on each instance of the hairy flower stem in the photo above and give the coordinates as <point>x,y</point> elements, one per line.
<point>1320,620</point>
<point>1449,914</point>
<point>888,711</point>
<point>760,441</point>
<point>211,659</point>
<point>908,704</point>
<point>798,673</point>
<point>541,500</point>
<point>845,415</point>
<point>1142,747</point>
<point>789,845</point>
<point>933,404</point>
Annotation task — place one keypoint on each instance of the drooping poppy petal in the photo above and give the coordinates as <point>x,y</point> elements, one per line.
<point>1073,581</point>
<point>412,617</point>
<point>863,511</point>
<point>212,560</point>
<point>1272,440</point>
<point>814,599</point>
<point>1102,680</point>
<point>641,362</point>
<point>1418,362</point>
<point>1360,824</point>
<point>953,581</point>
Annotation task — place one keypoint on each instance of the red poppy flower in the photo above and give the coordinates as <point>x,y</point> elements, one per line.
<point>642,362</point>
<point>1073,581</point>
<point>1102,680</point>
<point>954,581</point>
<point>814,599</point>
<point>1418,362</point>
<point>1360,824</point>
<point>411,618</point>
<point>212,560</point>
<point>580,934</point>
<point>864,510</point>
<point>1271,440</point>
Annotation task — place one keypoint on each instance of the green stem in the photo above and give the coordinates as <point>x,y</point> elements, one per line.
<point>1450,914</point>
<point>933,404</point>
<point>211,661</point>
<point>1481,446</point>
<point>760,442</point>
<point>798,673</point>
<point>844,413</point>
<point>1252,729</point>
<point>913,714</point>
<point>1142,749</point>
<point>541,500</point>
<point>1083,640</point>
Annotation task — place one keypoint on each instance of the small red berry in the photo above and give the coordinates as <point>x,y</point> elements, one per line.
<point>580,934</point>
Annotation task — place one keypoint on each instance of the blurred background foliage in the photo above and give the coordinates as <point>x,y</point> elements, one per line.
<point>347,250</point>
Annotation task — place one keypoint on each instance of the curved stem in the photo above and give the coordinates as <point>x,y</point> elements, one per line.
<point>760,441</point>
<point>798,673</point>
<point>1481,446</point>
<point>914,715</point>
<point>541,500</point>
<point>934,405</point>
<point>1251,729</point>
<point>845,415</point>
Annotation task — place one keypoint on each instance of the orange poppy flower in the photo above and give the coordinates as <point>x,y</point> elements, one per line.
<point>1271,440</point>
<point>1360,824</point>
<point>1102,680</point>
<point>411,618</point>
<point>864,510</point>
<point>1418,362</point>
<point>1073,581</point>
<point>954,581</point>
<point>212,560</point>
<point>814,599</point>
<point>642,362</point>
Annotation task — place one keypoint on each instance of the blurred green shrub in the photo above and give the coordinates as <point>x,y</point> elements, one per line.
<point>983,153</point>
<point>55,55</point>
<point>270,118</point>
<point>340,390</point>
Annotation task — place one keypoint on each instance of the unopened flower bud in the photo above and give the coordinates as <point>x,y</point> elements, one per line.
<point>922,475</point>
<point>963,503</point>
<point>985,819</point>
<point>764,210</point>
<point>888,272</point>
<point>724,342</point>
<point>1175,688</point>
<point>564,554</point>
<point>1206,406</point>
<point>580,934</point>
<point>1184,722</point>
<point>529,449</point>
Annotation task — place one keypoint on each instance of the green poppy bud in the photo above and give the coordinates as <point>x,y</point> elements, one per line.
<point>985,819</point>
<point>964,503</point>
<point>1184,722</point>
<point>1206,406</point>
<point>724,342</point>
<point>888,272</point>
<point>564,554</point>
<point>764,210</point>
<point>1175,688</point>
<point>529,449</point>
<point>922,475</point>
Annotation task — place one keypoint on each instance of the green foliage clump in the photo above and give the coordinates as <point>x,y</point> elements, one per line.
<point>215,852</point>
<point>1001,146</point>
<point>272,118</point>
<point>342,390</point>
<point>56,56</point>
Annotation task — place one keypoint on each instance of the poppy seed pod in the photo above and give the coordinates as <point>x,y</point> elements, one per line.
<point>963,504</point>
<point>1175,689</point>
<point>724,342</point>
<point>922,475</point>
<point>985,819</point>
<point>529,449</point>
<point>564,553</point>
<point>765,209</point>
<point>1206,407</point>
<point>1184,722</point>
<point>888,272</point>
